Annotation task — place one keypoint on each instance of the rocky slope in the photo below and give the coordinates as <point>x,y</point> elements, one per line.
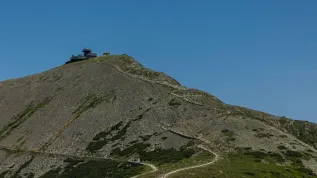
<point>111,109</point>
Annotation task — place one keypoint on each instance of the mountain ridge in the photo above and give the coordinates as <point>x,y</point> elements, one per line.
<point>112,106</point>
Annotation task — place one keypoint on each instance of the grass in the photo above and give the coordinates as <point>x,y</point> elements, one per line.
<point>3,174</point>
<point>95,168</point>
<point>104,134</point>
<point>43,78</point>
<point>140,116</point>
<point>263,135</point>
<point>197,92</point>
<point>103,138</point>
<point>246,165</point>
<point>29,175</point>
<point>163,156</point>
<point>56,78</point>
<point>164,138</point>
<point>10,151</point>
<point>135,148</point>
<point>282,147</point>
<point>200,157</point>
<point>19,139</point>
<point>121,133</point>
<point>129,65</point>
<point>229,110</point>
<point>89,102</point>
<point>259,155</point>
<point>144,72</point>
<point>304,131</point>
<point>174,102</point>
<point>17,173</point>
<point>146,137</point>
<point>158,156</point>
<point>52,173</point>
<point>283,120</point>
<point>92,101</point>
<point>229,134</point>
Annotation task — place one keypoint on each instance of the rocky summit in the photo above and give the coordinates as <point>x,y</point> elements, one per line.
<point>110,116</point>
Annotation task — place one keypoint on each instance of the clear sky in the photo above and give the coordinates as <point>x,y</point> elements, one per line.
<point>257,54</point>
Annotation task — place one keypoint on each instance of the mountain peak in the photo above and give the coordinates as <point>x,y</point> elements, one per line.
<point>113,113</point>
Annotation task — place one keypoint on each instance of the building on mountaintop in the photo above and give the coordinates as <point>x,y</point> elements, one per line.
<point>106,53</point>
<point>87,54</point>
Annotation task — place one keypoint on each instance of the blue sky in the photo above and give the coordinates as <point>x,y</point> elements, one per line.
<point>257,54</point>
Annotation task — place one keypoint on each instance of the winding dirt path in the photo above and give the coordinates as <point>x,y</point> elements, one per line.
<point>156,82</point>
<point>199,146</point>
<point>193,167</point>
<point>154,168</point>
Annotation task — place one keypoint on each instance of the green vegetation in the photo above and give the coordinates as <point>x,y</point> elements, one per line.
<point>135,148</point>
<point>289,155</point>
<point>146,137</point>
<point>174,102</point>
<point>3,174</point>
<point>295,154</point>
<point>59,89</point>
<point>229,134</point>
<point>102,135</point>
<point>281,147</point>
<point>102,138</point>
<point>304,131</point>
<point>248,164</point>
<point>95,168</point>
<point>258,129</point>
<point>245,112</point>
<point>129,65</point>
<point>283,136</point>
<point>263,135</point>
<point>140,116</point>
<point>23,116</point>
<point>198,93</point>
<point>19,139</point>
<point>133,142</point>
<point>117,126</point>
<point>163,156</point>
<point>92,100</point>
<point>309,150</point>
<point>56,78</point>
<point>121,134</point>
<point>11,152</point>
<point>191,143</point>
<point>200,157</point>
<point>17,173</point>
<point>43,79</point>
<point>52,173</point>
<point>164,138</point>
<point>158,156</point>
<point>259,155</point>
<point>144,73</point>
<point>29,175</point>
<point>126,59</point>
<point>284,120</point>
